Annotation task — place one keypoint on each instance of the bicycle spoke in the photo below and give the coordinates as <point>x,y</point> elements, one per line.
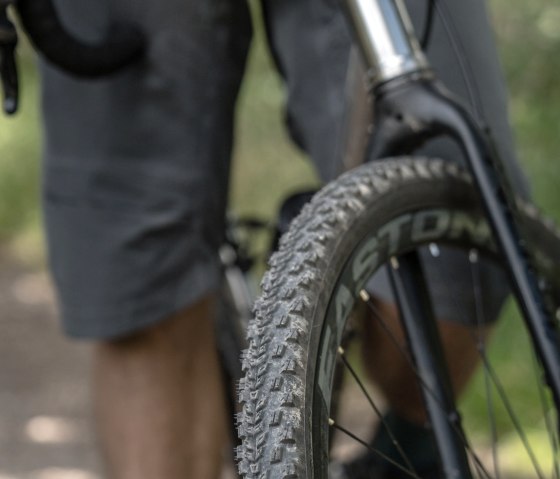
<point>480,345</point>
<point>332,423</point>
<point>552,435</point>
<point>490,375</point>
<point>366,298</point>
<point>361,385</point>
<point>511,413</point>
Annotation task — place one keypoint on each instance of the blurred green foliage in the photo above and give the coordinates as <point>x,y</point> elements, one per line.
<point>19,158</point>
<point>529,37</point>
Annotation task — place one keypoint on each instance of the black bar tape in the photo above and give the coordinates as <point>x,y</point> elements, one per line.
<point>122,45</point>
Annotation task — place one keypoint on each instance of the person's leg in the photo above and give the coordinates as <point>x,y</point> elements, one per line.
<point>136,179</point>
<point>160,401</point>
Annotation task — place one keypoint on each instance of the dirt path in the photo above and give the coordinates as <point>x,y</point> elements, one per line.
<point>44,400</point>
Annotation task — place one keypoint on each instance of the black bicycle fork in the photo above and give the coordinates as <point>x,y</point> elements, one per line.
<point>410,110</point>
<point>411,107</point>
<point>420,326</point>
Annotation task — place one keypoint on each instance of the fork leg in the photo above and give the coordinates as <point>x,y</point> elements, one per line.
<point>423,337</point>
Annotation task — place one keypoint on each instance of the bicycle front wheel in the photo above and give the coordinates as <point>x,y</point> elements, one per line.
<point>294,422</point>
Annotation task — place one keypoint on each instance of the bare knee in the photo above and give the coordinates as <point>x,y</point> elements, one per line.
<point>189,330</point>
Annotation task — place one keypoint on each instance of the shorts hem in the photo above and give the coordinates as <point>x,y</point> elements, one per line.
<point>119,322</point>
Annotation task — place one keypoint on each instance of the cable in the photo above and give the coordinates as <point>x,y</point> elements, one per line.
<point>460,52</point>
<point>427,34</point>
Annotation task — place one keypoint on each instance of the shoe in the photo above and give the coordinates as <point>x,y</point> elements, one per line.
<point>356,470</point>
<point>414,440</point>
<point>369,466</point>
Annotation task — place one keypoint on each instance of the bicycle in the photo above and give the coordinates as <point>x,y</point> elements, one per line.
<point>380,214</point>
<point>323,220</point>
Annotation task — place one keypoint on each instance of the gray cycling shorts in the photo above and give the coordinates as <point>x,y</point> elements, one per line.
<point>136,166</point>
